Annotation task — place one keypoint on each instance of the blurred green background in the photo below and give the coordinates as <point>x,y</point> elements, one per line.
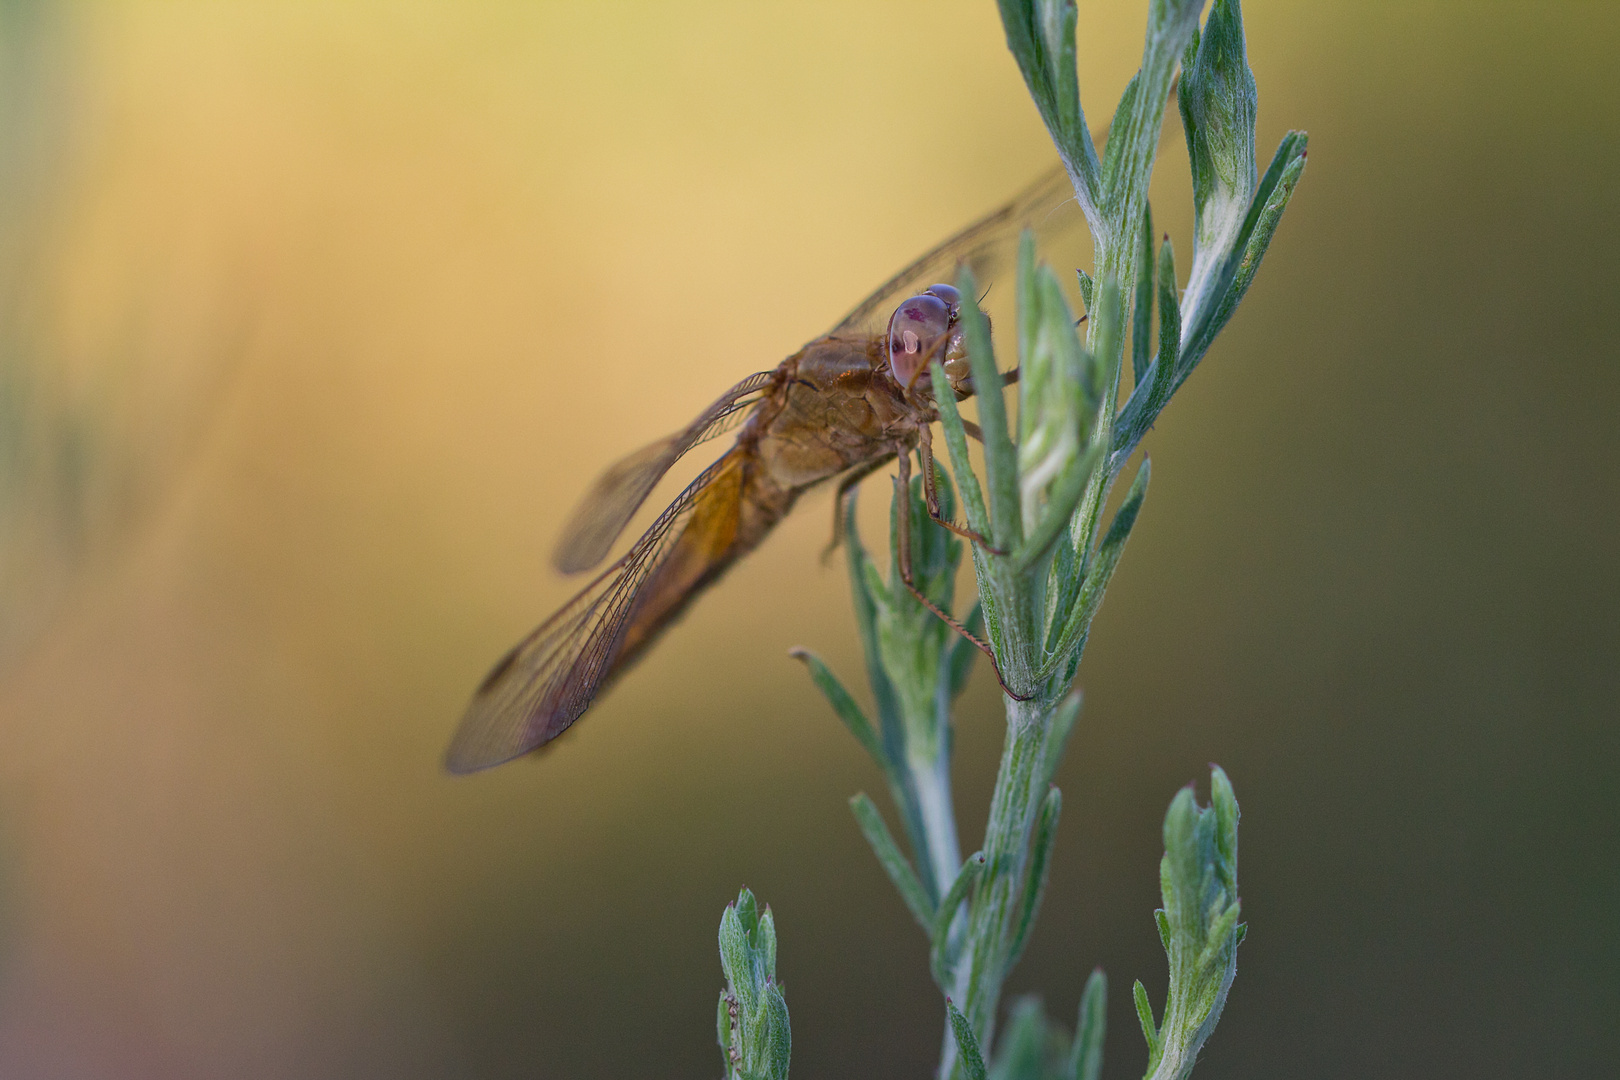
<point>315,319</point>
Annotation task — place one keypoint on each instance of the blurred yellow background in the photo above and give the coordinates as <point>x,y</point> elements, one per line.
<point>316,318</point>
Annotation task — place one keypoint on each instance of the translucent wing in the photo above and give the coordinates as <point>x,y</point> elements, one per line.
<point>543,685</point>
<point>608,507</point>
<point>989,246</point>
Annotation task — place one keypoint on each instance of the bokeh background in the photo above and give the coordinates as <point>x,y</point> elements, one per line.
<point>315,319</point>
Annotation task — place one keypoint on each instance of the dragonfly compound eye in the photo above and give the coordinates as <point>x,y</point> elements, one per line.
<point>917,335</point>
<point>946,293</point>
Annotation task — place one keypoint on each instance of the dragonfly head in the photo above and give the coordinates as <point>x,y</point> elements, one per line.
<point>924,329</point>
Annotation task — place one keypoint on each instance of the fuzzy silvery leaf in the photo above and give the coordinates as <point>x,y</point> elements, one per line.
<point>913,643</point>
<point>1228,287</point>
<point>1198,924</point>
<point>1059,386</point>
<point>1000,457</point>
<point>1142,307</point>
<point>1025,1050</point>
<point>752,1019</point>
<point>896,865</point>
<point>845,705</point>
<point>1085,1055</point>
<point>865,590</point>
<point>967,1043</point>
<point>1040,35</point>
<point>1218,104</point>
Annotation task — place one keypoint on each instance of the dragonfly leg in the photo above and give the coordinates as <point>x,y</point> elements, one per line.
<point>925,451</point>
<point>903,481</point>
<point>1008,378</point>
<point>850,479</point>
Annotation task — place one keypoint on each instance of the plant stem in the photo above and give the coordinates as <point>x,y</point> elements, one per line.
<point>993,910</point>
<point>936,817</point>
<point>1049,559</point>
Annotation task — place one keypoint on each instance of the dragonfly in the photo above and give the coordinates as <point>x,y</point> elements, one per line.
<point>844,406</point>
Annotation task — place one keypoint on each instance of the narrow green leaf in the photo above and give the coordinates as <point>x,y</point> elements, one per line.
<point>1029,313</point>
<point>967,1043</point>
<point>748,914</point>
<point>1220,937</point>
<point>1086,1056</point>
<point>1023,1047</point>
<point>863,578</point>
<point>1144,1013</point>
<point>1060,391</point>
<point>779,1045</point>
<point>1142,313</point>
<point>723,1033</point>
<point>1035,874</point>
<point>1224,802</point>
<point>1271,197</point>
<point>1218,103</point>
<point>1212,307</point>
<point>848,710</point>
<point>939,934</point>
<point>1040,35</point>
<point>872,581</point>
<point>1169,332</point>
<point>1087,288</point>
<point>765,944</point>
<point>1000,457</point>
<point>1102,569</point>
<point>1133,137</point>
<point>935,551</point>
<point>1118,125</point>
<point>1256,236</point>
<point>757,1036</point>
<point>1110,331</point>
<point>1181,835</point>
<point>967,481</point>
<point>894,864</point>
<point>1148,399</point>
<point>736,959</point>
<point>1064,497</point>
<point>1063,577</point>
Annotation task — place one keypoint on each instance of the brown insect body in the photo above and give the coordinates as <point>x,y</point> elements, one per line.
<point>833,409</point>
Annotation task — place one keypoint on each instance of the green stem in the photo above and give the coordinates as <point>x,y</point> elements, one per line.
<point>993,910</point>
<point>936,818</point>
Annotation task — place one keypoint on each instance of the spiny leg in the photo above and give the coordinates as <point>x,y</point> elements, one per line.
<point>925,451</point>
<point>850,479</point>
<point>903,481</point>
<point>1008,378</point>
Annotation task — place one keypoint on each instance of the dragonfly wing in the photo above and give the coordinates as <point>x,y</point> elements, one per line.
<point>989,246</point>
<point>550,677</point>
<point>608,507</point>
